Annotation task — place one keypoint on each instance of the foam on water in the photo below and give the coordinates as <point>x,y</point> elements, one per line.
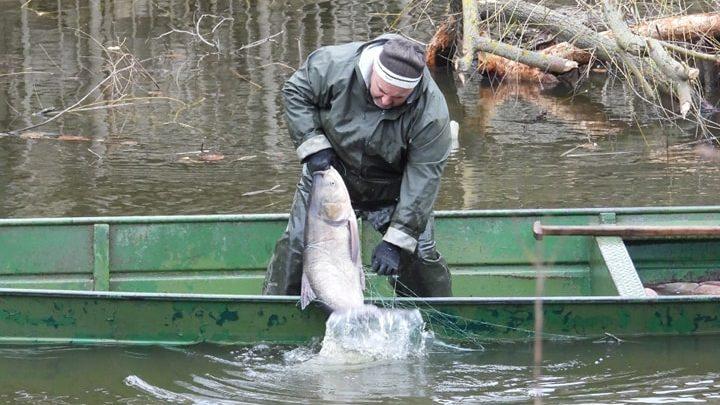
<point>369,333</point>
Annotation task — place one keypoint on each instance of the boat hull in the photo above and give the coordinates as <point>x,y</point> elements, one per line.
<point>78,317</point>
<point>191,279</point>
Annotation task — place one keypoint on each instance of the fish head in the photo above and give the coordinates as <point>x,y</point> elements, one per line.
<point>331,195</point>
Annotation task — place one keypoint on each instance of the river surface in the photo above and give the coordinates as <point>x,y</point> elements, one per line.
<point>649,371</point>
<point>519,147</point>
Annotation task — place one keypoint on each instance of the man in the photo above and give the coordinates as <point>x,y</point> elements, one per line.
<point>372,111</point>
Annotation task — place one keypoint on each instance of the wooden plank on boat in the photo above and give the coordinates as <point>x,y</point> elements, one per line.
<point>617,267</point>
<point>627,231</point>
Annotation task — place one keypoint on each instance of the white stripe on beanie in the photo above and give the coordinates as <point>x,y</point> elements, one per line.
<point>393,78</point>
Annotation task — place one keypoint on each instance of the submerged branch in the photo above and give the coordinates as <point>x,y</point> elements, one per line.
<point>259,41</point>
<point>197,33</point>
<point>77,103</point>
<point>123,73</point>
<point>638,53</point>
<point>546,62</point>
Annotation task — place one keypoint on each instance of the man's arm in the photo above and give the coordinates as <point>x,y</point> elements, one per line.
<point>304,93</point>
<point>426,160</point>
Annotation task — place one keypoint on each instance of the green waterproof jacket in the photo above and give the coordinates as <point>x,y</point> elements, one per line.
<point>391,157</point>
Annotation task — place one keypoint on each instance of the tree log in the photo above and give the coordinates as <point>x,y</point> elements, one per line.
<point>664,72</point>
<point>542,17</point>
<point>499,59</point>
<point>625,38</point>
<point>440,50</point>
<point>471,32</point>
<point>544,62</point>
<point>688,28</point>
<point>678,73</point>
<point>568,51</point>
<point>513,71</point>
<point>638,51</point>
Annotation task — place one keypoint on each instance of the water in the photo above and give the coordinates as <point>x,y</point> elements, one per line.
<point>519,147</point>
<point>651,371</point>
<point>512,144</point>
<point>369,333</point>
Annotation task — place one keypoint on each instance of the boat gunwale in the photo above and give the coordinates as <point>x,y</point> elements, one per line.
<point>154,219</point>
<point>147,296</point>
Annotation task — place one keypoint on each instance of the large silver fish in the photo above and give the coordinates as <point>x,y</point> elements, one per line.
<point>332,270</point>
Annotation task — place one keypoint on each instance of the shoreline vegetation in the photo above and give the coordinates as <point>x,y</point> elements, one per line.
<point>669,56</point>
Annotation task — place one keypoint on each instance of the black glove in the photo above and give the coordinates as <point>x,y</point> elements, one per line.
<point>320,160</point>
<point>386,259</point>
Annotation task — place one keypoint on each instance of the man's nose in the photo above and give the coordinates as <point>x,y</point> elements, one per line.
<point>386,100</point>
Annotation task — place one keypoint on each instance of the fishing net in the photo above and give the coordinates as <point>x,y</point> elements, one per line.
<point>453,330</point>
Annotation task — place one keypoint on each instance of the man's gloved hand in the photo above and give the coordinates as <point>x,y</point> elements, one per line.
<point>320,160</point>
<point>386,259</point>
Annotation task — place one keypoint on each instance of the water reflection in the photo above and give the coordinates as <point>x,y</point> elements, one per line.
<point>657,370</point>
<point>513,146</point>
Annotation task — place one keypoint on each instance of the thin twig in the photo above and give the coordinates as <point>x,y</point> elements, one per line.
<point>276,63</point>
<point>223,19</point>
<point>27,72</point>
<point>615,338</point>
<point>91,151</point>
<point>197,31</point>
<point>690,52</point>
<point>259,41</point>
<point>598,154</point>
<point>268,190</point>
<point>236,73</point>
<point>77,103</point>
<point>570,151</point>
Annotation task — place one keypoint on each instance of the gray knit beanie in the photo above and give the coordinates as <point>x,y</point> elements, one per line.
<point>401,63</point>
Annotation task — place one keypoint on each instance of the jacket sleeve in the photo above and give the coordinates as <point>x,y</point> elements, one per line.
<point>427,155</point>
<point>304,94</point>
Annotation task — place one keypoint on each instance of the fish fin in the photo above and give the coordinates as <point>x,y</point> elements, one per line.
<point>354,240</point>
<point>355,248</point>
<point>306,292</point>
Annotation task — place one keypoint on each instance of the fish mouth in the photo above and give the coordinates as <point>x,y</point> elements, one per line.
<point>321,172</point>
<point>319,175</point>
<point>329,175</point>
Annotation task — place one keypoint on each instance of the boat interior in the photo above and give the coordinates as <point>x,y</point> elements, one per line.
<point>490,253</point>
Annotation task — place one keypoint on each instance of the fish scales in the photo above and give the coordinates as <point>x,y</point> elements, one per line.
<point>332,270</point>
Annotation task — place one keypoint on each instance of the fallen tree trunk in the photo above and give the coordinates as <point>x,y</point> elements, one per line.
<point>681,28</point>
<point>643,57</point>
<point>687,28</point>
<point>514,71</point>
<point>495,58</point>
<point>677,73</point>
<point>569,51</point>
<point>638,51</point>
<point>564,29</point>
<point>545,62</point>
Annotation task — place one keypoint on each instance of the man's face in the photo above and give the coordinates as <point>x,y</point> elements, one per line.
<point>386,95</point>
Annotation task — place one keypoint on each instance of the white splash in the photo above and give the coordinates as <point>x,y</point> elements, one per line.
<point>369,333</point>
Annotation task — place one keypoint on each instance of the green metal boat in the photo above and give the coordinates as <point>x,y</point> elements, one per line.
<point>190,279</point>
